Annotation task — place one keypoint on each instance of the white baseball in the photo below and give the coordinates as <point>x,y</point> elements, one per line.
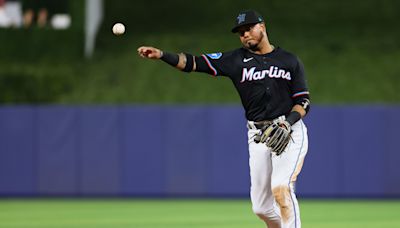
<point>118,29</point>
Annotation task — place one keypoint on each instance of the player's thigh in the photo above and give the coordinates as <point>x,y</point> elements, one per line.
<point>288,165</point>
<point>259,160</point>
<point>260,175</point>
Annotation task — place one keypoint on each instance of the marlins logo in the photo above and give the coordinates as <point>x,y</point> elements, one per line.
<point>241,18</point>
<point>273,72</point>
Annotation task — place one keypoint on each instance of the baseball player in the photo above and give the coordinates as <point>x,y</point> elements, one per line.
<point>274,94</point>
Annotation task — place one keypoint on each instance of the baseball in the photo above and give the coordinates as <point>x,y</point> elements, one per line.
<point>118,29</point>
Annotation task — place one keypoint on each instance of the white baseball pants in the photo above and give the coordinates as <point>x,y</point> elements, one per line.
<point>273,178</point>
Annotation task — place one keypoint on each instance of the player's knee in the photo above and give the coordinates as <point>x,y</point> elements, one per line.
<point>265,214</point>
<point>283,198</point>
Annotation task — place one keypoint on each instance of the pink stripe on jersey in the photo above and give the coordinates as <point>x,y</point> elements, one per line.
<point>300,94</point>
<point>209,65</point>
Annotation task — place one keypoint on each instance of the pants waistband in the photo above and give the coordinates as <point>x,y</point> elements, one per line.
<point>258,125</point>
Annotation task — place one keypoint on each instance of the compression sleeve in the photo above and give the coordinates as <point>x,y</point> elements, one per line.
<point>300,93</point>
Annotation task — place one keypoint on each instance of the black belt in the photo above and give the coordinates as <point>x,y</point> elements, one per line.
<point>262,124</point>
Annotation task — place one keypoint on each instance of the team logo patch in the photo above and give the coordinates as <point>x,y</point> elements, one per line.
<point>241,18</point>
<point>215,55</point>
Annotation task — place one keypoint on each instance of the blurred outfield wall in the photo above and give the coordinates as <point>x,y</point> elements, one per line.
<point>186,151</point>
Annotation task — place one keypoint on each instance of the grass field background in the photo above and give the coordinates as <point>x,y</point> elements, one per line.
<point>117,213</point>
<point>350,50</point>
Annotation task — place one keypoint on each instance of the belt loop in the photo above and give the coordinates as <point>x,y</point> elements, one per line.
<point>250,125</point>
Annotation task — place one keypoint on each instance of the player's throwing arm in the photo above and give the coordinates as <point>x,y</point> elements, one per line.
<point>177,60</point>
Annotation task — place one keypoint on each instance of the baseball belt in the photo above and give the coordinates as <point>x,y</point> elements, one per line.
<point>259,124</point>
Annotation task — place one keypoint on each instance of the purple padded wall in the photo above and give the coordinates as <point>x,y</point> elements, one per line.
<point>187,151</point>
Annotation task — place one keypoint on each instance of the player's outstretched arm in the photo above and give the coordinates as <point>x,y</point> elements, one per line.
<point>177,60</point>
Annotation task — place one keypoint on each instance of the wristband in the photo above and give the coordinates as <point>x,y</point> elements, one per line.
<point>293,117</point>
<point>189,63</point>
<point>170,58</point>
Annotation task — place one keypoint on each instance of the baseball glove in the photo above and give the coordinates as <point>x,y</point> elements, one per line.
<point>277,135</point>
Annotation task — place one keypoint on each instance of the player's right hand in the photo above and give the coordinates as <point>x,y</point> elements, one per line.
<point>149,52</point>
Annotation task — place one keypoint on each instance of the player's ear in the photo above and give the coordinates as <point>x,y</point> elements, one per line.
<point>262,25</point>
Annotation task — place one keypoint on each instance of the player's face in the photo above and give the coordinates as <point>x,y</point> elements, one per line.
<point>251,35</point>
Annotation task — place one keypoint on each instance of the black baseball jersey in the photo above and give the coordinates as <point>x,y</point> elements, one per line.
<point>269,85</point>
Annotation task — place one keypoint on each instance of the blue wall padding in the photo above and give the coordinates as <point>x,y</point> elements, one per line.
<point>187,151</point>
<point>57,150</point>
<point>18,150</point>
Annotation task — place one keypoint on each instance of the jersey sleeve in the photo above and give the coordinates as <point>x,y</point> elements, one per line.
<point>299,88</point>
<point>216,64</point>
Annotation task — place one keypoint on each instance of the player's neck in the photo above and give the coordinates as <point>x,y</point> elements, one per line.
<point>264,48</point>
<point>270,48</point>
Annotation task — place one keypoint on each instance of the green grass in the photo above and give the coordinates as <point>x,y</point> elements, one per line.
<point>59,213</point>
